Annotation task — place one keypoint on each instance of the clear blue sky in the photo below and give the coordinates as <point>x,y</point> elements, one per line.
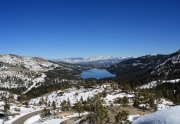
<point>54,29</point>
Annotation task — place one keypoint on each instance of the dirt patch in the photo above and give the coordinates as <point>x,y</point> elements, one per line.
<point>112,113</point>
<point>131,110</point>
<point>66,113</point>
<point>69,121</point>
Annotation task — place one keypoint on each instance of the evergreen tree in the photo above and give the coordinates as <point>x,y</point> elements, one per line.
<point>6,107</point>
<point>63,105</point>
<point>68,104</point>
<point>40,102</point>
<point>151,102</point>
<point>27,103</point>
<point>49,104</point>
<point>136,103</point>
<point>21,97</point>
<point>79,107</point>
<point>125,101</point>
<point>98,114</point>
<point>122,118</point>
<point>54,105</point>
<point>45,113</point>
<point>81,100</point>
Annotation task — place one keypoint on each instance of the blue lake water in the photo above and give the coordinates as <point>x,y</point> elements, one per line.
<point>96,73</point>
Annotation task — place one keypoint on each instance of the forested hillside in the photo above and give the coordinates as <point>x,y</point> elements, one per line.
<point>141,70</point>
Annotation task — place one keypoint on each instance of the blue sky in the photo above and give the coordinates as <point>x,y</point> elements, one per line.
<point>54,29</point>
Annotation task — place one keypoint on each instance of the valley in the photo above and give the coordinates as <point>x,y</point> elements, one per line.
<point>54,89</point>
<point>89,62</point>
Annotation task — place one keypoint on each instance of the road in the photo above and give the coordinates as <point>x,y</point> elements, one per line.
<point>22,119</point>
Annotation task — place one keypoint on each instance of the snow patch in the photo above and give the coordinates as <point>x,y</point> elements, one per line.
<point>165,116</point>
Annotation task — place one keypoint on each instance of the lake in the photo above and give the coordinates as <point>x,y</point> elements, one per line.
<point>96,73</point>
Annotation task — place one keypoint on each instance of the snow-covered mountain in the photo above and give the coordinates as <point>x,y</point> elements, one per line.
<point>169,66</point>
<point>30,63</point>
<point>94,60</point>
<point>28,72</point>
<point>155,66</point>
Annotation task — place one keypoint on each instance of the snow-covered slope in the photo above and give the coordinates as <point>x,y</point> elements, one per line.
<point>165,116</point>
<point>17,71</point>
<point>31,63</point>
<point>155,67</point>
<point>28,72</point>
<point>155,83</point>
<point>169,67</point>
<point>94,60</point>
<point>129,69</point>
<point>74,95</point>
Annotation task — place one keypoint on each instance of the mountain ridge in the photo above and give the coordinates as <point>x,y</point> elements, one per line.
<point>148,67</point>
<point>98,60</point>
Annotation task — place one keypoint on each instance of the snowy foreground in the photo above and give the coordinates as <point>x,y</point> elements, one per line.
<point>166,116</point>
<point>165,113</point>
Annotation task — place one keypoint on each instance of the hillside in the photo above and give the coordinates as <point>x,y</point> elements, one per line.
<point>28,72</point>
<point>137,66</point>
<point>28,63</point>
<point>159,74</point>
<point>149,67</point>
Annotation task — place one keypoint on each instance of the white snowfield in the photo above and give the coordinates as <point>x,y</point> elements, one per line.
<point>28,81</point>
<point>33,120</point>
<point>74,95</point>
<point>36,80</point>
<point>165,116</point>
<point>163,104</point>
<point>31,63</point>
<point>155,83</point>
